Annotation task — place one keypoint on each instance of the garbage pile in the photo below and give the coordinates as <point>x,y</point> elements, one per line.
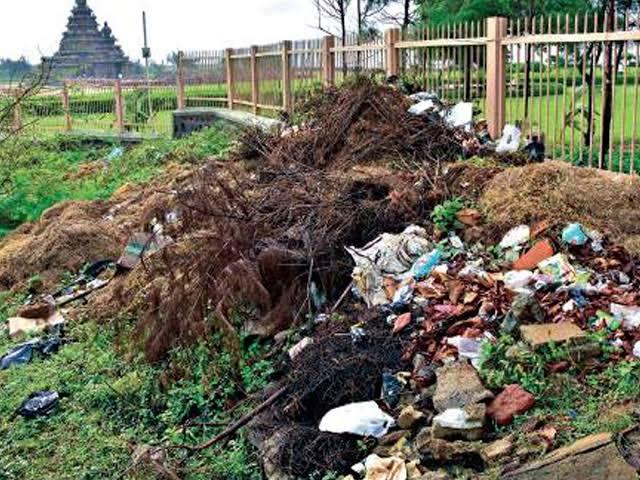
<point>441,303</point>
<point>363,123</point>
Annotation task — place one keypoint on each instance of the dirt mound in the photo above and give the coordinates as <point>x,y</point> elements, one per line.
<point>70,235</point>
<point>560,193</point>
<point>67,237</point>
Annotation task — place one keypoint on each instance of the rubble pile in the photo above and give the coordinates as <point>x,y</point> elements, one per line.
<point>329,238</point>
<point>430,408</point>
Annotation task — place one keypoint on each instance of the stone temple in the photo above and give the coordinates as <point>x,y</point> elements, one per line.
<point>88,51</point>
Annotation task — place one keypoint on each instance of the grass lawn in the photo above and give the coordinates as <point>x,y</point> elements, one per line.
<point>36,172</point>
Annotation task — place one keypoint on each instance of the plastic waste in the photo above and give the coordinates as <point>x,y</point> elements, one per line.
<point>423,107</point>
<point>19,355</point>
<point>515,237</point>
<point>422,96</point>
<point>362,418</point>
<point>629,316</point>
<point>357,333</point>
<point>115,153</point>
<point>574,234</point>
<point>39,404</point>
<point>558,268</point>
<point>510,140</point>
<point>456,418</point>
<point>596,240</point>
<point>636,350</point>
<point>403,296</point>
<point>425,264</point>
<point>460,115</point>
<point>23,353</point>
<point>535,148</point>
<point>391,388</point>
<point>387,255</point>
<point>517,279</point>
<point>469,348</point>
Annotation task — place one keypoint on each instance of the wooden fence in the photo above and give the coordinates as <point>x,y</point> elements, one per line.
<point>573,80</point>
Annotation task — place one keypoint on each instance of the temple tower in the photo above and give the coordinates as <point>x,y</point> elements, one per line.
<point>87,51</point>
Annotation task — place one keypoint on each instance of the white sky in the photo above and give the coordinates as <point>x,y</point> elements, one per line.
<point>34,27</point>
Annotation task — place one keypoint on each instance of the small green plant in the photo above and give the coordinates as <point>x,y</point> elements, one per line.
<point>444,216</point>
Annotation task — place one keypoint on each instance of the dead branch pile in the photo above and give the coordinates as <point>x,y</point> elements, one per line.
<point>335,370</point>
<point>358,124</point>
<point>264,236</point>
<point>260,244</point>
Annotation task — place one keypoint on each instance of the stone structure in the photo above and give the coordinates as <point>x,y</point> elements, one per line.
<point>88,51</point>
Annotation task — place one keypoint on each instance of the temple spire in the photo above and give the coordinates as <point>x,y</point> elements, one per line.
<point>87,50</point>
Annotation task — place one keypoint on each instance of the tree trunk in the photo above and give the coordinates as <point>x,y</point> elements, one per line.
<point>406,20</point>
<point>343,28</point>
<point>607,78</point>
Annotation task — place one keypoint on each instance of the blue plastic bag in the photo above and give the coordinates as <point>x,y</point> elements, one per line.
<point>423,267</point>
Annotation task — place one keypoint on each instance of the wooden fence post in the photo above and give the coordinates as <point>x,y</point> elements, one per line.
<point>182,99</point>
<point>255,82</point>
<point>117,91</point>
<point>66,106</point>
<point>231,86</point>
<point>287,93</point>
<point>328,61</point>
<point>391,37</point>
<point>496,75</point>
<point>17,110</point>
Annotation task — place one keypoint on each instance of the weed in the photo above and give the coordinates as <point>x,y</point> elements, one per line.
<point>34,175</point>
<point>444,215</point>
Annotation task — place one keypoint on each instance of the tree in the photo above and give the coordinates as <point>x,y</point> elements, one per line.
<point>12,98</point>
<point>336,12</point>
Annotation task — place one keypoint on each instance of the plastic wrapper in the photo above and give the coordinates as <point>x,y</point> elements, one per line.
<point>362,418</point>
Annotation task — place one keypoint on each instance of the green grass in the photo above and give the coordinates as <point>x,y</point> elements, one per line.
<point>37,173</point>
<point>111,401</point>
<point>575,407</point>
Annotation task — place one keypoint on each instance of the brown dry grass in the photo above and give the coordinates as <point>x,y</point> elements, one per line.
<point>561,193</point>
<point>70,235</point>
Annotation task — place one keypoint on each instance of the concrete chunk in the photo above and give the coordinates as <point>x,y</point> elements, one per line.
<point>538,335</point>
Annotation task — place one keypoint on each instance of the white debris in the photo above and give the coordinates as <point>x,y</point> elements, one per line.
<point>510,141</point>
<point>460,115</point>
<point>456,418</point>
<point>363,418</point>
<point>388,254</point>
<point>517,279</point>
<point>423,107</point>
<point>630,316</point>
<point>515,237</point>
<point>299,347</point>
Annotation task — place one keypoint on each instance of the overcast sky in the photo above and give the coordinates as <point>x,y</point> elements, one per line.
<point>34,27</point>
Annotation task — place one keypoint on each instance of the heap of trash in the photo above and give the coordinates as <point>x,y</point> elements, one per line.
<point>387,321</point>
<point>443,303</point>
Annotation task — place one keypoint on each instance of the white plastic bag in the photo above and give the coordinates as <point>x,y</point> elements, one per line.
<point>515,237</point>
<point>510,141</point>
<point>362,418</point>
